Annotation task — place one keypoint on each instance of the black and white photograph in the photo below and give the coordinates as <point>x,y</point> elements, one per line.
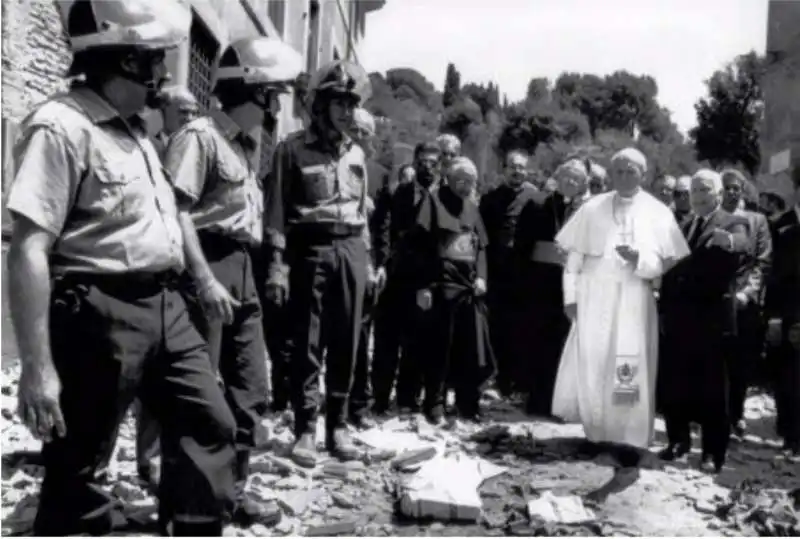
<point>400,268</point>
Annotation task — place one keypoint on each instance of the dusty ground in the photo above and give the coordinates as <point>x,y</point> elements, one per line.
<point>656,500</point>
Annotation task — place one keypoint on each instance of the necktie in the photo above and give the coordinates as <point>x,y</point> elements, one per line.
<point>698,229</point>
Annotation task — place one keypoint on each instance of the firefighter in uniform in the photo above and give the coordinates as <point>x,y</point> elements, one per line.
<point>316,222</point>
<point>93,264</point>
<point>213,162</point>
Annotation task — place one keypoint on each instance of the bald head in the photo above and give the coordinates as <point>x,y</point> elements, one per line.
<point>706,193</point>
<point>179,107</point>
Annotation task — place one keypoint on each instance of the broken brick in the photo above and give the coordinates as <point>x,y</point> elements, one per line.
<point>328,530</point>
<point>409,459</point>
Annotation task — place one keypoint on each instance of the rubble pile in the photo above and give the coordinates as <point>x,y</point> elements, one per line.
<point>513,476</point>
<point>754,509</point>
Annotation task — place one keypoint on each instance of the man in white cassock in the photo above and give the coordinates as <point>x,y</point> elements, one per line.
<point>617,244</point>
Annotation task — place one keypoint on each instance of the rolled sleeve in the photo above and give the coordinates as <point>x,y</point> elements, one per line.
<point>46,182</point>
<point>186,160</point>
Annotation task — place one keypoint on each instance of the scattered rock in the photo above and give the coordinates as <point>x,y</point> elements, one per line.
<point>342,500</point>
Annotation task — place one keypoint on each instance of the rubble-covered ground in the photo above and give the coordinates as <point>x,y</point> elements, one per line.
<point>657,499</point>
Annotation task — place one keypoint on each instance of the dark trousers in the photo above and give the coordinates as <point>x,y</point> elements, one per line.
<point>327,279</point>
<point>503,320</point>
<point>361,398</point>
<point>393,317</point>
<point>414,356</point>
<point>744,358</point>
<point>715,430</point>
<point>787,392</point>
<point>452,360</point>
<point>237,351</point>
<point>114,339</point>
<point>546,331</point>
<point>275,328</point>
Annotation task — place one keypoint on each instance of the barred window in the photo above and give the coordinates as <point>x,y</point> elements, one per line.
<point>276,10</point>
<point>203,50</point>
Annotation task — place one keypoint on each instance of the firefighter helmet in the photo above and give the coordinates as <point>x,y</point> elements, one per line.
<point>260,60</point>
<point>145,24</point>
<point>340,78</point>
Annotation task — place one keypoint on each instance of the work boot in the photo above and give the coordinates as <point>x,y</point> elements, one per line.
<point>304,452</point>
<point>339,444</point>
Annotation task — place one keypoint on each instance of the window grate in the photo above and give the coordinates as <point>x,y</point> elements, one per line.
<point>202,53</point>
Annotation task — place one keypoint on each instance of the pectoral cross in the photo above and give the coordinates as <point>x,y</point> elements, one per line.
<point>625,230</point>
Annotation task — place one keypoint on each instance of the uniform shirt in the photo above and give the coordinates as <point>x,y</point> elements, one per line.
<point>212,164</point>
<point>311,182</point>
<point>95,181</point>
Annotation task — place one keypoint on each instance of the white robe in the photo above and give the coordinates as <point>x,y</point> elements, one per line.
<point>607,375</point>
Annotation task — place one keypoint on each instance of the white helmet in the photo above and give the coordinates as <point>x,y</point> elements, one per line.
<point>145,24</point>
<point>260,60</point>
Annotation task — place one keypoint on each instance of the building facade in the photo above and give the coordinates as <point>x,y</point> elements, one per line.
<point>36,56</point>
<point>780,139</point>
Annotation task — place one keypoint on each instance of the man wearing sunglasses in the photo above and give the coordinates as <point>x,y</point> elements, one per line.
<point>682,205</point>
<point>214,165</point>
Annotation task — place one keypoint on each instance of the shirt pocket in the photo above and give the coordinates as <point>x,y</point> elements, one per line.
<point>316,183</point>
<point>232,185</point>
<point>354,182</point>
<point>117,187</point>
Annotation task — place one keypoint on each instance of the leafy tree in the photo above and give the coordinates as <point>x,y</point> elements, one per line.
<point>452,86</point>
<point>538,91</point>
<point>728,119</point>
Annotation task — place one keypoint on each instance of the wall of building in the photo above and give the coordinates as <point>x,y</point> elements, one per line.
<point>781,86</point>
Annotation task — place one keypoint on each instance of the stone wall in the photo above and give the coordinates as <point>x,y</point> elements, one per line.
<point>781,85</point>
<point>35,55</point>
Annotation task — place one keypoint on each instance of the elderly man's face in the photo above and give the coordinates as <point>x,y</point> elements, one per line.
<point>516,169</point>
<point>626,177</point>
<point>461,183</point>
<point>732,191</point>
<point>427,166</point>
<point>571,183</point>
<point>664,189</point>
<point>449,152</point>
<point>705,195</point>
<point>177,115</point>
<point>597,185</point>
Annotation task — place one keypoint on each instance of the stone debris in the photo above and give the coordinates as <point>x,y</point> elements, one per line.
<point>753,508</point>
<point>560,509</point>
<point>446,488</point>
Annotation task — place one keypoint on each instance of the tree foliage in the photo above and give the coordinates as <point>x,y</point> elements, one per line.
<point>728,119</point>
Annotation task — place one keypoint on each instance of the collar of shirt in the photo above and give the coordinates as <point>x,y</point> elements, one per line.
<point>99,110</point>
<point>231,130</point>
<point>313,136</point>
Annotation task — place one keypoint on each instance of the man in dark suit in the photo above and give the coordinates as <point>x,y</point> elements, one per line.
<point>750,279</point>
<point>782,307</point>
<point>396,311</point>
<point>699,320</point>
<point>509,293</point>
<point>545,327</point>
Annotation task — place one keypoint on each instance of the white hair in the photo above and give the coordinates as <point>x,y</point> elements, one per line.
<point>633,156</point>
<point>463,165</point>
<point>573,165</point>
<point>708,175</point>
<point>364,120</point>
<point>448,141</point>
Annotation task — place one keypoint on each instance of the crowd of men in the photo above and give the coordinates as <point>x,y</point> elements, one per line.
<point>157,271</point>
